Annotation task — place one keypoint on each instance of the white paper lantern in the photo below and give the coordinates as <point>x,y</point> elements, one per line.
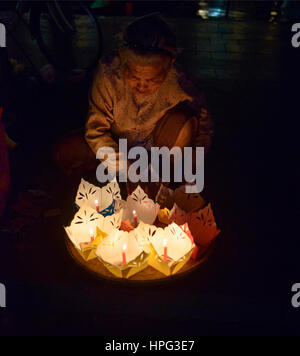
<point>178,243</point>
<point>95,197</point>
<point>86,219</point>
<point>145,208</point>
<point>111,248</point>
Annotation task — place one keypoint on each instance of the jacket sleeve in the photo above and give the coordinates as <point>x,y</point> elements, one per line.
<point>100,113</point>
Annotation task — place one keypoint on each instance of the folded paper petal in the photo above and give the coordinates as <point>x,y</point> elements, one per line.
<point>145,208</point>
<point>203,226</point>
<point>87,250</point>
<point>188,202</point>
<point>163,216</point>
<point>94,197</point>
<point>177,215</point>
<point>111,248</point>
<point>87,220</point>
<point>130,269</point>
<point>172,237</point>
<point>126,226</point>
<point>169,268</point>
<point>165,197</point>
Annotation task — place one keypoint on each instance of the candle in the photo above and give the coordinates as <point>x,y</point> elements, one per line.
<point>92,234</point>
<point>124,254</point>
<point>97,206</point>
<point>135,218</point>
<point>165,251</point>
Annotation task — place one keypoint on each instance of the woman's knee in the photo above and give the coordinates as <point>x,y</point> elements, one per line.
<point>176,128</point>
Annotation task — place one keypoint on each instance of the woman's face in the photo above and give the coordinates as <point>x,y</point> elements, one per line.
<point>145,80</point>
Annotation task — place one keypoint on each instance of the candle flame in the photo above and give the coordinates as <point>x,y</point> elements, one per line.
<point>124,247</point>
<point>165,242</point>
<point>91,231</point>
<point>134,212</point>
<point>96,202</point>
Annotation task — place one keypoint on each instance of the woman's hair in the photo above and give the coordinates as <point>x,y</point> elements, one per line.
<point>148,40</point>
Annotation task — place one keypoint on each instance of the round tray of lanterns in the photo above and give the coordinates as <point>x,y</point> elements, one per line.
<point>135,239</point>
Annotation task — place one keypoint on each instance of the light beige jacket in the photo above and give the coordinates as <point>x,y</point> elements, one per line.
<point>115,113</point>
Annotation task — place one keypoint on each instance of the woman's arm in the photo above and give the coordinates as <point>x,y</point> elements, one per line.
<point>100,118</point>
<point>100,114</point>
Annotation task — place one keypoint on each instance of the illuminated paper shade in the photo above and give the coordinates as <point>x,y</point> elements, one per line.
<point>145,208</point>
<point>203,226</point>
<point>110,252</point>
<point>201,223</point>
<point>84,220</point>
<point>188,202</point>
<point>163,215</point>
<point>178,243</point>
<point>165,197</point>
<point>87,218</point>
<point>178,215</point>
<point>179,247</point>
<point>120,204</point>
<point>126,226</point>
<point>88,193</point>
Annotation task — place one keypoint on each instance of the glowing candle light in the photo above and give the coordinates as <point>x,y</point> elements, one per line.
<point>165,251</point>
<point>135,218</point>
<point>97,206</point>
<point>92,234</point>
<point>124,254</point>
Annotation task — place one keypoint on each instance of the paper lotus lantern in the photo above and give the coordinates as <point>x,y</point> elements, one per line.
<point>145,209</point>
<point>188,201</point>
<point>119,205</point>
<point>100,199</point>
<point>203,226</point>
<point>163,215</point>
<point>79,230</point>
<point>83,230</point>
<point>171,247</point>
<point>178,215</point>
<point>126,226</point>
<point>201,223</point>
<point>165,197</point>
<point>121,253</point>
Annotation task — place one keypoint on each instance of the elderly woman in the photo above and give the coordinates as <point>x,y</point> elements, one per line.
<point>140,94</point>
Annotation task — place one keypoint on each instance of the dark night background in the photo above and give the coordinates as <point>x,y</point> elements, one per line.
<point>245,63</point>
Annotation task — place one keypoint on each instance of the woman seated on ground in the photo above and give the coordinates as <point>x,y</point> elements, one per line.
<point>140,94</point>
